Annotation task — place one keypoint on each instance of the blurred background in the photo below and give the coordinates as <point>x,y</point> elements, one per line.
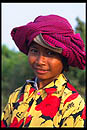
<point>15,68</point>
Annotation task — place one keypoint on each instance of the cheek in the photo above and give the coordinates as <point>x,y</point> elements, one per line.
<point>31,59</point>
<point>56,66</point>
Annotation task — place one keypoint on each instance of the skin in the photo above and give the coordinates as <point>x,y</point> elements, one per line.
<point>46,64</point>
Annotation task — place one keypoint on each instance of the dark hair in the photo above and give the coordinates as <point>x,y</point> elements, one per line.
<point>65,63</point>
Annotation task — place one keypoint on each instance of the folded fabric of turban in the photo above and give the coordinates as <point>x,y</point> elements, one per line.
<point>57,32</point>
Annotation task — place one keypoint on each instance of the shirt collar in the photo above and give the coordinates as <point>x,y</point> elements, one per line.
<point>34,83</point>
<point>59,81</point>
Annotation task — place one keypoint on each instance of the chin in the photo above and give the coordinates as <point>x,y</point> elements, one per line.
<point>41,77</point>
<point>46,77</point>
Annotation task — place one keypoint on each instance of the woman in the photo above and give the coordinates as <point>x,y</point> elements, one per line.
<point>48,100</point>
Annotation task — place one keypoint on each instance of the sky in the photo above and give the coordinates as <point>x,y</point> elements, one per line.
<point>17,14</point>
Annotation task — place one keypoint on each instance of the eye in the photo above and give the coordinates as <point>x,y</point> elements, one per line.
<point>50,53</point>
<point>33,50</point>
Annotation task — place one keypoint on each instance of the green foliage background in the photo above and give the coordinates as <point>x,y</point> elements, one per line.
<point>15,70</point>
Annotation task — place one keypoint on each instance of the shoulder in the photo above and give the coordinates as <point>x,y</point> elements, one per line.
<point>70,94</point>
<point>72,107</point>
<point>73,103</point>
<point>16,94</point>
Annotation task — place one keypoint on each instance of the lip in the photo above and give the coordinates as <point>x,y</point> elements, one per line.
<point>40,71</point>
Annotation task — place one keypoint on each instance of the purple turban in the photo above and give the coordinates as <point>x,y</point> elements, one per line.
<point>57,32</point>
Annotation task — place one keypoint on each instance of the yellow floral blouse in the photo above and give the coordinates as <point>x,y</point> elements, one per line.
<point>56,105</point>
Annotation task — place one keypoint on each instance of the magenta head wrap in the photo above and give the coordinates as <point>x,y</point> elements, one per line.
<point>57,32</point>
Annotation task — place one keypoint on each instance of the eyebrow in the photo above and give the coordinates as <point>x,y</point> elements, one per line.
<point>34,44</point>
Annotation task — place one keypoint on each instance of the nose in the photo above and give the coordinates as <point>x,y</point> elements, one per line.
<point>41,60</point>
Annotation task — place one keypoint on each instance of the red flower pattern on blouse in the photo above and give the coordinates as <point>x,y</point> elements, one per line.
<point>71,87</point>
<point>15,123</point>
<point>84,113</point>
<point>21,98</point>
<point>2,124</point>
<point>31,90</point>
<point>71,97</point>
<point>28,119</point>
<point>50,90</point>
<point>49,106</point>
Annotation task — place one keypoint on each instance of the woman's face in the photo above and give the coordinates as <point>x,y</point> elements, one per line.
<point>46,64</point>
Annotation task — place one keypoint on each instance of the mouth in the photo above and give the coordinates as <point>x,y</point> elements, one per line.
<point>40,71</point>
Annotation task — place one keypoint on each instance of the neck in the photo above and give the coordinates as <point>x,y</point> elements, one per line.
<point>43,83</point>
